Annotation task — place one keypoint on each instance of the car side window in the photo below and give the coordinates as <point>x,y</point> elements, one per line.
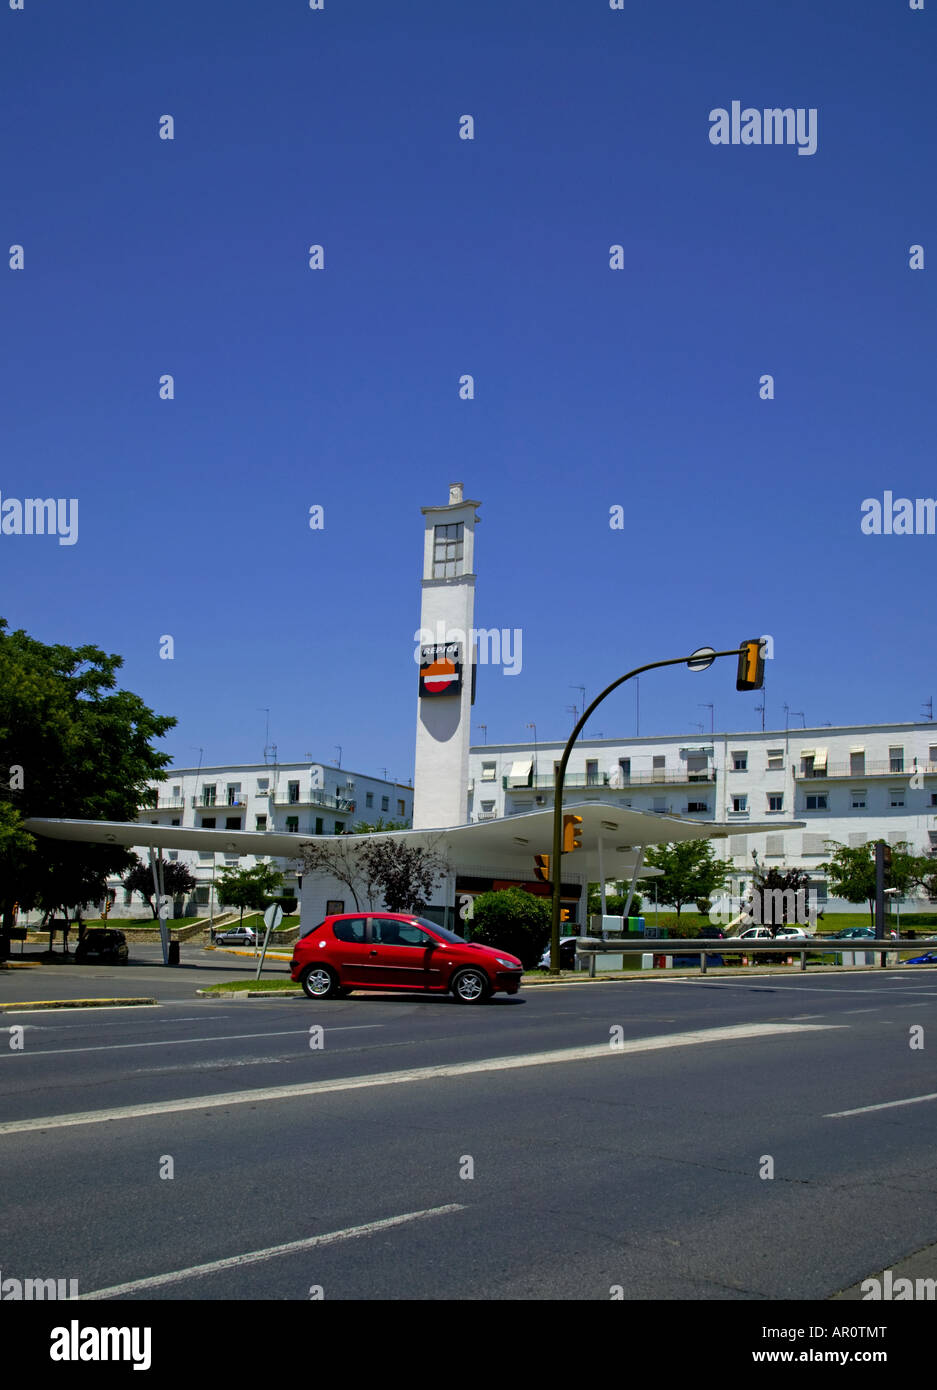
<point>350,929</point>
<point>390,933</point>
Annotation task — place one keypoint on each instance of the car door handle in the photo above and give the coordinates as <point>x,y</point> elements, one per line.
<point>373,953</point>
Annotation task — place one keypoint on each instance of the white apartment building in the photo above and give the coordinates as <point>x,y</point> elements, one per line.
<point>296,798</point>
<point>851,784</point>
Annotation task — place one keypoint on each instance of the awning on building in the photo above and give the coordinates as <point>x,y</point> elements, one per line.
<point>520,773</point>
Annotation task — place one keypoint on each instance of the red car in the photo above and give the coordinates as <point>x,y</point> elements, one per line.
<point>393,950</point>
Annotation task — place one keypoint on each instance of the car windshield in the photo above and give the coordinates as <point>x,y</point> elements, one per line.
<point>442,932</point>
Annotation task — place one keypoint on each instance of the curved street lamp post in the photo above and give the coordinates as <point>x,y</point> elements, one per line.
<point>699,660</point>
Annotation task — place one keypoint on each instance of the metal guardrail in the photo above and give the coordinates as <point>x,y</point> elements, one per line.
<point>736,946</point>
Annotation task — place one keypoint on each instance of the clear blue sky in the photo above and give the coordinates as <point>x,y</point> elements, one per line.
<point>444,256</point>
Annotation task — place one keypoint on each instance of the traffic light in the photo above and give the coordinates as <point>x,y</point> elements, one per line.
<point>572,833</point>
<point>542,867</point>
<point>751,674</point>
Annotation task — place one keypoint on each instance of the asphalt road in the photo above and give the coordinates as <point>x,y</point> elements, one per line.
<point>530,1157</point>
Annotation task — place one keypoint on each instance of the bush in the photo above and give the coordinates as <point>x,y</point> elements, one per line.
<point>514,921</point>
<point>615,905</point>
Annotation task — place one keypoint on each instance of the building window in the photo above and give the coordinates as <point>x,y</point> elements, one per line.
<point>740,761</point>
<point>774,845</point>
<point>933,798</point>
<point>895,797</point>
<point>339,827</point>
<point>739,803</point>
<point>489,772</point>
<point>401,807</point>
<point>232,822</point>
<point>369,799</point>
<point>292,825</point>
<point>208,822</point>
<point>659,762</point>
<point>234,793</point>
<point>694,807</point>
<point>208,795</point>
<point>175,822</point>
<point>592,772</point>
<point>817,801</point>
<point>263,784</point>
<point>932,754</point>
<point>260,823</point>
<point>857,763</point>
<point>775,759</point>
<point>318,825</point>
<point>292,793</point>
<point>206,856</point>
<point>896,759</point>
<point>487,807</point>
<point>814,844</point>
<point>624,769</point>
<point>448,550</point>
<point>172,855</point>
<point>385,803</point>
<point>775,801</point>
<point>858,799</point>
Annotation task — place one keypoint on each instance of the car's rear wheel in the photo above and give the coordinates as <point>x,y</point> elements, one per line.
<point>471,986</point>
<point>320,982</point>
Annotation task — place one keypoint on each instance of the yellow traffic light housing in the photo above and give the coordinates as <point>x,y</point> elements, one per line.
<point>751,673</point>
<point>542,867</point>
<point>572,833</point>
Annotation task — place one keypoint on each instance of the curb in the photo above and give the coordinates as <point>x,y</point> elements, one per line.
<point>76,1003</point>
<point>251,993</point>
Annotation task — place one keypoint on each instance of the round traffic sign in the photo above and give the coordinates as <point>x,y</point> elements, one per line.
<point>702,659</point>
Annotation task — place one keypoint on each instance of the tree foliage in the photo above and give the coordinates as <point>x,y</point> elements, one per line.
<point>248,887</point>
<point>514,921</point>
<point>72,745</point>
<point>850,872</point>
<point>378,871</point>
<point>177,881</point>
<point>691,871</point>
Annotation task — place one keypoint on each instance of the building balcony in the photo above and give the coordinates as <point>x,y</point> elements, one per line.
<point>201,803</point>
<point>614,781</point>
<point>882,769</point>
<point>164,803</point>
<point>314,798</point>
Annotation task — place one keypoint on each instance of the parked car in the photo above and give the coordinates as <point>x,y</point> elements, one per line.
<point>567,954</point>
<point>236,936</point>
<point>102,944</point>
<point>849,934</point>
<point>929,958</point>
<point>397,951</point>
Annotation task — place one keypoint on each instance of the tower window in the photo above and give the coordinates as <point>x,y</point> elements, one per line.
<point>448,550</point>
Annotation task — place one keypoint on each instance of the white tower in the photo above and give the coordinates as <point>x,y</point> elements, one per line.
<point>445,638</point>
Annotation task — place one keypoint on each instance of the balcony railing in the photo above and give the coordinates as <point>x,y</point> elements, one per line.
<point>220,803</point>
<point>614,781</point>
<point>316,798</point>
<point>164,803</point>
<point>880,769</point>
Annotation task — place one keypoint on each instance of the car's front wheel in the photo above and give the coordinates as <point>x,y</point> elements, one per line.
<point>471,986</point>
<point>320,982</point>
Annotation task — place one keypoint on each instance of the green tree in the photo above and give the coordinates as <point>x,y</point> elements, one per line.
<point>74,746</point>
<point>177,881</point>
<point>363,827</point>
<point>248,887</point>
<point>850,872</point>
<point>690,871</point>
<point>514,921</point>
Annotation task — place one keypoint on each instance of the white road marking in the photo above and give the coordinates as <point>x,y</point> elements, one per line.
<point>392,1078</point>
<point>885,1105</point>
<point>178,1042</point>
<point>256,1256</point>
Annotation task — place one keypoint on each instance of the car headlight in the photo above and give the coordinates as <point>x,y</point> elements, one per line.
<point>511,964</point>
